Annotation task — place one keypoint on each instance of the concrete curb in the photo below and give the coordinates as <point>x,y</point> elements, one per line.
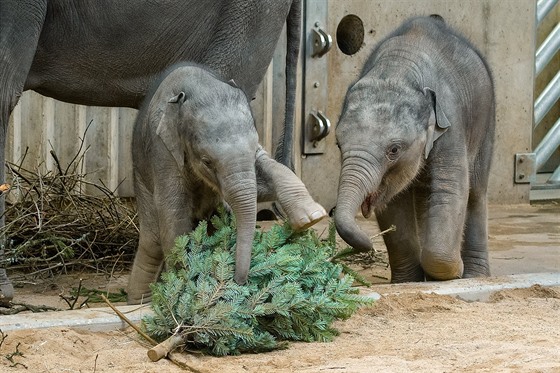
<point>471,289</point>
<point>104,319</point>
<point>94,319</point>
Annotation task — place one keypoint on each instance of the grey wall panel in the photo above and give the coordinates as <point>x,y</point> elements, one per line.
<point>504,31</point>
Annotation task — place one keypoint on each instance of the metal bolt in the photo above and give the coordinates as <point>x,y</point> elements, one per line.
<point>316,84</point>
<point>317,24</point>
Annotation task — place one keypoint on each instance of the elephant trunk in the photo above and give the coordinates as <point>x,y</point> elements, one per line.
<point>240,192</point>
<point>355,185</point>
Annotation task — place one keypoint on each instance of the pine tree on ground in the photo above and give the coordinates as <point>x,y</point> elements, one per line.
<point>294,291</point>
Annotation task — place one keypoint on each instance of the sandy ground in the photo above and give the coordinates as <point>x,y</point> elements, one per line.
<point>517,331</point>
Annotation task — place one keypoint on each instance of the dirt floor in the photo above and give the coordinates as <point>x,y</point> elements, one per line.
<point>516,331</point>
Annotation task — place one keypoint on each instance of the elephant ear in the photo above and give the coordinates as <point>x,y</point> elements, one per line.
<point>168,129</point>
<point>438,122</point>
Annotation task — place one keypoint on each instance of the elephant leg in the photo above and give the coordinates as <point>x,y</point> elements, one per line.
<point>147,266</point>
<point>276,182</point>
<point>475,242</point>
<point>20,27</point>
<point>444,221</point>
<point>164,215</point>
<point>149,261</point>
<point>149,256</point>
<point>6,287</point>
<point>402,245</point>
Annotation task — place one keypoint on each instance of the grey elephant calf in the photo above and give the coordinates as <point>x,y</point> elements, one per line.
<point>416,137</point>
<point>195,145</point>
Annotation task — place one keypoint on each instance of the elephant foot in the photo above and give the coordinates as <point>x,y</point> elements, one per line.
<point>308,218</point>
<point>412,274</point>
<point>138,290</point>
<point>476,268</point>
<point>138,298</point>
<point>301,210</point>
<point>441,268</point>
<point>282,185</point>
<point>470,273</point>
<point>6,290</point>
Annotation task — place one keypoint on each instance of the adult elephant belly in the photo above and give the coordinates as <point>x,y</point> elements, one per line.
<point>107,53</point>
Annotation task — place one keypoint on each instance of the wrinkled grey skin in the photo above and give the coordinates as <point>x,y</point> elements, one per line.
<point>416,138</point>
<point>108,53</point>
<point>194,145</point>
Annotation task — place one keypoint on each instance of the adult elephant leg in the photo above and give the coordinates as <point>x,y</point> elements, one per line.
<point>6,287</point>
<point>276,182</point>
<point>475,242</point>
<point>402,245</point>
<point>20,27</point>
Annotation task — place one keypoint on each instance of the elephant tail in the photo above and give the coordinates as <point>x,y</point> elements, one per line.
<point>293,39</point>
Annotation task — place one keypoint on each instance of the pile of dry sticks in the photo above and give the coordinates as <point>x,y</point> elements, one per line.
<point>54,226</point>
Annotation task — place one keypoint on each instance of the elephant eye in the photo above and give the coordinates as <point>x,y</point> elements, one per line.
<point>206,162</point>
<point>394,151</point>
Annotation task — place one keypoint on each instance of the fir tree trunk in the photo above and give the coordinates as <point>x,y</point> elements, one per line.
<point>161,350</point>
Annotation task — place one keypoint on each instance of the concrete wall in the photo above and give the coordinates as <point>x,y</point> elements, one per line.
<point>504,31</point>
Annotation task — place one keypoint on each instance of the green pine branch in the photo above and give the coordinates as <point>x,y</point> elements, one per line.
<point>294,291</point>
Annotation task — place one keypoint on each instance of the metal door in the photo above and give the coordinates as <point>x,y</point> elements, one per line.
<point>545,159</point>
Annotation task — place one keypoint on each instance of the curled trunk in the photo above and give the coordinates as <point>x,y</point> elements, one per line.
<point>349,231</point>
<point>355,185</point>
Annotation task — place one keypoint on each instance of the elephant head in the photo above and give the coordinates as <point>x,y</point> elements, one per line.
<point>207,125</point>
<point>386,131</point>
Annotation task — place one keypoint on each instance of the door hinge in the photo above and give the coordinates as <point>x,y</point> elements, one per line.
<point>524,169</point>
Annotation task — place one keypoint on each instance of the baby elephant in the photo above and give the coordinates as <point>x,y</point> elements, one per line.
<point>195,145</point>
<point>416,135</point>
